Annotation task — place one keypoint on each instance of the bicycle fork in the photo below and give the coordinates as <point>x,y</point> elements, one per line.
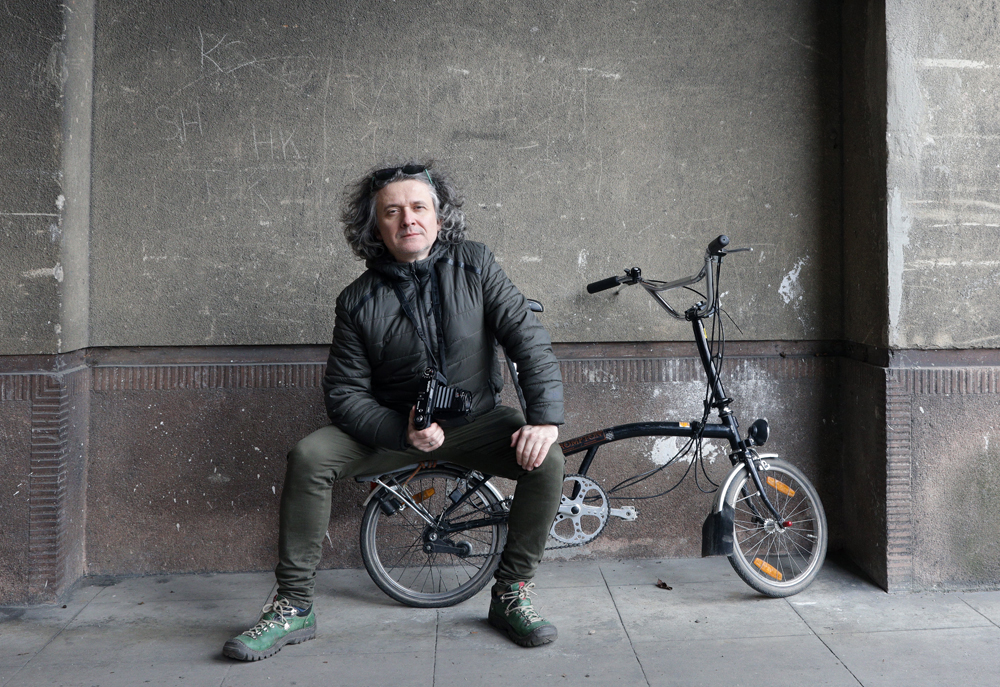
<point>717,531</point>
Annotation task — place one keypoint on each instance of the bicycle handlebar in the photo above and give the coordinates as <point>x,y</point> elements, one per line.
<point>633,275</point>
<point>604,284</point>
<point>718,246</point>
<point>715,252</point>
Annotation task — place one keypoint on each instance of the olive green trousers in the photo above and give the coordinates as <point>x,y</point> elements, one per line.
<point>329,454</point>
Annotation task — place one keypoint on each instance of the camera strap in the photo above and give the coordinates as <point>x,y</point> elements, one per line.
<point>437,360</point>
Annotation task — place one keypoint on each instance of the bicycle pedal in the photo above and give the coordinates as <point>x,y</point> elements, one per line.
<point>625,513</point>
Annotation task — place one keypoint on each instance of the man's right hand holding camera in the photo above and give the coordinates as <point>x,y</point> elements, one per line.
<point>425,440</point>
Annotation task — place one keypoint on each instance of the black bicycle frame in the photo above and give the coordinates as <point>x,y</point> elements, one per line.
<point>727,428</point>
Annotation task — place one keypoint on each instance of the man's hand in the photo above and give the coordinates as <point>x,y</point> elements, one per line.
<point>425,440</point>
<point>533,443</point>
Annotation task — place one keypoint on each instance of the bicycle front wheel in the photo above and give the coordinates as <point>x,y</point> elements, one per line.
<point>423,557</point>
<point>777,557</point>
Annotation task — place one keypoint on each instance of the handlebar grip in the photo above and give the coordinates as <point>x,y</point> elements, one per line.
<point>609,283</point>
<point>717,247</point>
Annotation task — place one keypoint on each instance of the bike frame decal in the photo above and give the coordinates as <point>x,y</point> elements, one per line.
<point>587,440</point>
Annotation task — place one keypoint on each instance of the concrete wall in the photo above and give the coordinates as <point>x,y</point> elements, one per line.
<point>587,137</point>
<point>919,391</point>
<point>31,200</point>
<point>942,218</point>
<point>956,478</point>
<point>865,294</point>
<point>195,486</point>
<point>943,174</point>
<point>864,247</point>
<point>31,278</point>
<point>201,148</point>
<point>171,177</point>
<point>15,432</point>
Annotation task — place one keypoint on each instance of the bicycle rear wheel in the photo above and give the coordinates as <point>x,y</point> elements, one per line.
<point>418,564</point>
<point>777,557</point>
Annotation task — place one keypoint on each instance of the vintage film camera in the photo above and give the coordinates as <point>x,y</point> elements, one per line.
<point>438,401</point>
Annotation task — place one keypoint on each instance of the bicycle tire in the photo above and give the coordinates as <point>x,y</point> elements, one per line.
<point>392,546</point>
<point>777,560</point>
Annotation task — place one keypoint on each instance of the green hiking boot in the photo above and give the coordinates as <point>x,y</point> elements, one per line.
<point>280,624</point>
<point>511,612</point>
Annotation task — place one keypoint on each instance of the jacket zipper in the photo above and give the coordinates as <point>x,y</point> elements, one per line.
<point>421,314</point>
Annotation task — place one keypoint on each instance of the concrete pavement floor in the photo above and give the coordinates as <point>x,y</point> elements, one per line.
<point>616,627</point>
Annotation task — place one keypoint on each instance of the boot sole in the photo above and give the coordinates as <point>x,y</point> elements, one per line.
<point>241,652</point>
<point>546,634</point>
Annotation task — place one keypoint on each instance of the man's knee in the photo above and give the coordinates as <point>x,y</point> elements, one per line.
<point>303,463</point>
<point>553,468</point>
<point>317,456</point>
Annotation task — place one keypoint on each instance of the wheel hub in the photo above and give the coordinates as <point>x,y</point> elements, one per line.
<point>435,543</point>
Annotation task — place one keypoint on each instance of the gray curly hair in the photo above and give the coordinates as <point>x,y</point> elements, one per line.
<point>358,210</point>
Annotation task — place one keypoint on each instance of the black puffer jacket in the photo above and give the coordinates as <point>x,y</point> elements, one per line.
<point>373,373</point>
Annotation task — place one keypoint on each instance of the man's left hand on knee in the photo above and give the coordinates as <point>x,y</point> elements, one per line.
<point>532,444</point>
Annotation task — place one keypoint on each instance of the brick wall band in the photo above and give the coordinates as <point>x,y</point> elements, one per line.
<point>48,478</point>
<point>306,376</point>
<point>47,515</point>
<point>899,480</point>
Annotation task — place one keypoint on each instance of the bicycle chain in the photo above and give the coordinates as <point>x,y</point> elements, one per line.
<point>563,546</point>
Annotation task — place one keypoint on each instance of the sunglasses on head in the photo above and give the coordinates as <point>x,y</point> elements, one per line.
<point>383,175</point>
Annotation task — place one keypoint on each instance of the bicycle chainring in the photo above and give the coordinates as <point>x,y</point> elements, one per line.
<point>583,513</point>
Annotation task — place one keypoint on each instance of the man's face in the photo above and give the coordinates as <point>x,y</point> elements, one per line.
<point>406,220</point>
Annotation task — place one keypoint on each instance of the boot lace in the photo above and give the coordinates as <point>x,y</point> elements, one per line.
<point>516,596</point>
<point>280,608</point>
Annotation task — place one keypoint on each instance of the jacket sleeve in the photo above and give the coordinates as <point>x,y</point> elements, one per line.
<point>526,342</point>
<point>347,391</point>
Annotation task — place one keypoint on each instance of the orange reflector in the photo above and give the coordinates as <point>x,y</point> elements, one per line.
<point>684,424</point>
<point>767,569</point>
<point>425,494</point>
<point>781,486</point>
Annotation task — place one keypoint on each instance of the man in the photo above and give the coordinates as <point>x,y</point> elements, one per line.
<point>428,299</point>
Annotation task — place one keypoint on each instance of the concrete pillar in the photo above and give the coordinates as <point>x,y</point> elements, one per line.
<point>44,225</point>
<point>921,220</point>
